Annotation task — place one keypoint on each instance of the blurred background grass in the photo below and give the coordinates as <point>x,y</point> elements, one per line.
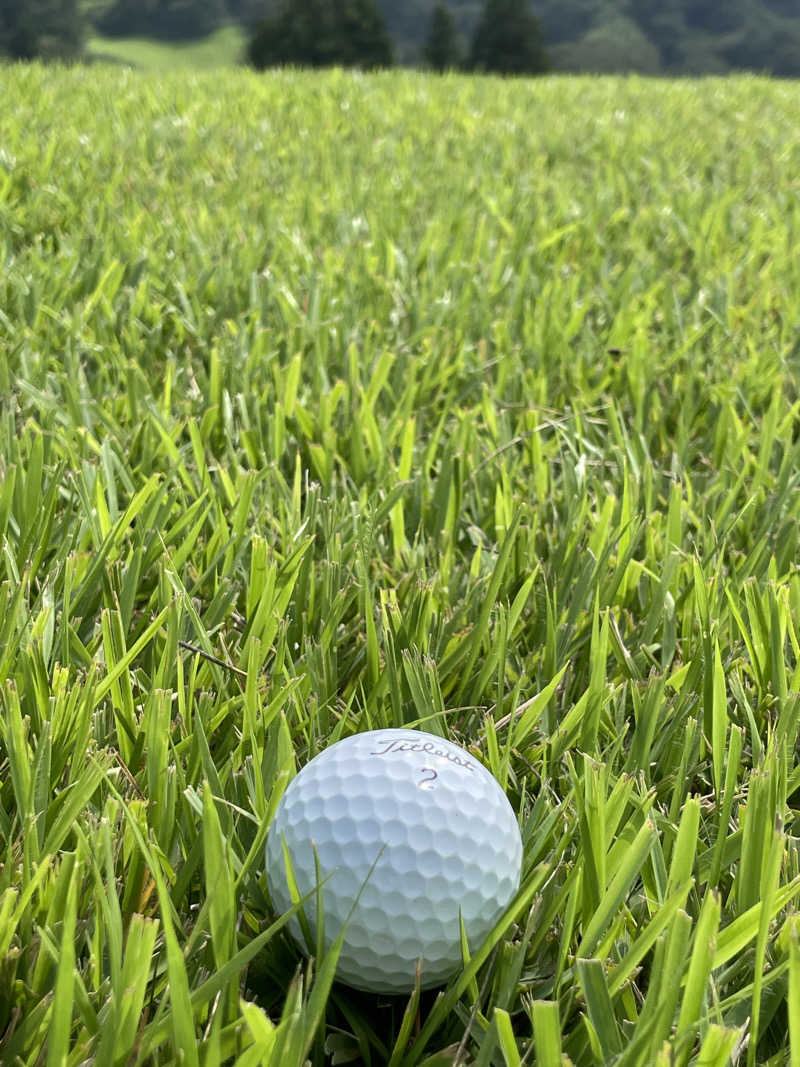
<point>224,48</point>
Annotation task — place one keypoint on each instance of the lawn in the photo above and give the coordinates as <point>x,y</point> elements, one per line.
<point>221,49</point>
<point>331,402</point>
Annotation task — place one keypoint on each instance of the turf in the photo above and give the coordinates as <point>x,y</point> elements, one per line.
<point>221,49</point>
<point>331,402</point>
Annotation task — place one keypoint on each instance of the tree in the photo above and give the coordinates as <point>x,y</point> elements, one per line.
<point>508,39</point>
<point>712,16</point>
<point>248,12</point>
<point>301,33</point>
<point>789,8</point>
<point>771,47</point>
<point>665,25</point>
<point>619,45</point>
<point>322,33</point>
<point>441,48</point>
<point>785,59</point>
<point>362,34</point>
<point>166,19</point>
<point>567,20</point>
<point>46,29</point>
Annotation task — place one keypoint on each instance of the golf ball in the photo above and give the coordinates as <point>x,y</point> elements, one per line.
<point>411,831</point>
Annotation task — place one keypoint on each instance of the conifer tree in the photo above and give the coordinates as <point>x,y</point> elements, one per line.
<point>364,41</point>
<point>47,29</point>
<point>508,39</point>
<point>166,19</point>
<point>441,49</point>
<point>320,33</point>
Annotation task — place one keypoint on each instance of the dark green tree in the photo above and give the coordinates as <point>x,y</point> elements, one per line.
<point>785,59</point>
<point>508,39</point>
<point>566,20</point>
<point>712,16</point>
<point>300,34</point>
<point>322,33</point>
<point>166,19</point>
<point>45,29</point>
<point>764,46</point>
<point>441,49</point>
<point>789,8</point>
<point>248,12</point>
<point>362,36</point>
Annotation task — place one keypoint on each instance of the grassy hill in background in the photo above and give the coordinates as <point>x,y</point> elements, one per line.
<point>221,49</point>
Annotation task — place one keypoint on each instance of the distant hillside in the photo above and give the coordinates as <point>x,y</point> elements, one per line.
<point>651,36</point>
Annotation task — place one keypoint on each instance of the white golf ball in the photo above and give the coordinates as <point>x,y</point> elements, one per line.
<point>442,837</point>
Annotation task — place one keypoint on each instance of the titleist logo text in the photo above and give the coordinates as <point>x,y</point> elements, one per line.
<point>428,747</point>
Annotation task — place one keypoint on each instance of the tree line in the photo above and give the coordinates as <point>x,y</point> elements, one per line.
<point>507,37</point>
<point>51,29</point>
<point>672,36</point>
<point>512,36</point>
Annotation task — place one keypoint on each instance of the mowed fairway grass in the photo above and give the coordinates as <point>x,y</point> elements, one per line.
<point>333,402</point>
<point>225,48</point>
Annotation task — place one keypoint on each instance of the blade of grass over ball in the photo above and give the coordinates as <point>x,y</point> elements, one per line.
<point>444,1004</point>
<point>472,988</point>
<point>296,897</point>
<point>407,1023</point>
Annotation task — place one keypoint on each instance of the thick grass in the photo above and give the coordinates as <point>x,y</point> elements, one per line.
<point>334,402</point>
<point>224,48</point>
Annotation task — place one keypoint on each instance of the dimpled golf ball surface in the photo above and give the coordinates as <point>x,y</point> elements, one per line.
<point>442,837</point>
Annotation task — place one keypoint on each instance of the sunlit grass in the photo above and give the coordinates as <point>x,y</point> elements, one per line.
<point>224,48</point>
<point>331,402</point>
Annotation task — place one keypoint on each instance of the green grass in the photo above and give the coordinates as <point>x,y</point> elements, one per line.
<point>221,49</point>
<point>330,402</point>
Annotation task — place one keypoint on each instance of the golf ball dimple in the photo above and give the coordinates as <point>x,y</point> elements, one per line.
<point>416,826</point>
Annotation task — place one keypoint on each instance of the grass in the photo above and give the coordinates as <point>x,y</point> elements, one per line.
<point>220,49</point>
<point>331,402</point>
